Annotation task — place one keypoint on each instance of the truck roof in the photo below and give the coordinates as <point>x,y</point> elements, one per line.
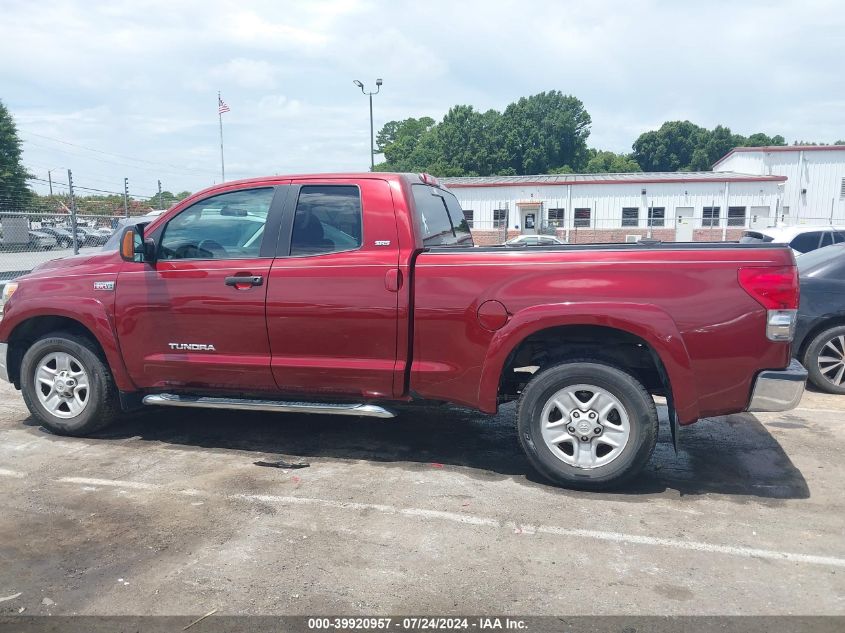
<point>280,178</point>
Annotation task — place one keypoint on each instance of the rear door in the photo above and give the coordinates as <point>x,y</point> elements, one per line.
<point>195,319</point>
<point>332,298</point>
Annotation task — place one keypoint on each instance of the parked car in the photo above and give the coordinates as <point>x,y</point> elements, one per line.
<point>90,237</point>
<point>801,239</point>
<point>41,241</point>
<point>533,240</point>
<point>820,332</point>
<point>340,294</point>
<point>64,238</point>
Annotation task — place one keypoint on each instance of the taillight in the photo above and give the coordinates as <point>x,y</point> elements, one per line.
<point>773,287</point>
<point>776,289</point>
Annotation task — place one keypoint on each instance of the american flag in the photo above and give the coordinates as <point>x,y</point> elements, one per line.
<point>221,106</point>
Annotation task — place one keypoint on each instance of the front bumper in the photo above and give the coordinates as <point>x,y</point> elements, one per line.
<point>4,352</point>
<point>778,390</point>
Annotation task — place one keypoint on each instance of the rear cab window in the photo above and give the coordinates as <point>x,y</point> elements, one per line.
<point>439,217</point>
<point>327,220</point>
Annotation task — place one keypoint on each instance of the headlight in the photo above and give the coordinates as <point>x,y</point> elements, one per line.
<point>8,291</point>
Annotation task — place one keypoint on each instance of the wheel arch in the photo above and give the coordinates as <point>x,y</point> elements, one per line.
<point>32,327</point>
<point>631,324</point>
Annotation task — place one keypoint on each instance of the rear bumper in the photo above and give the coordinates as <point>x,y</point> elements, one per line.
<point>4,371</point>
<point>778,390</point>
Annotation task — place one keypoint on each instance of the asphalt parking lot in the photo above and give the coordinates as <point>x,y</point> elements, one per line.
<point>436,512</point>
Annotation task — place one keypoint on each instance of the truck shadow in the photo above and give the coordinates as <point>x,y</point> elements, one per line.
<point>735,455</point>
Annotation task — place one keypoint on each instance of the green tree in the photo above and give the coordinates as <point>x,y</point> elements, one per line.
<point>682,145</point>
<point>759,139</point>
<point>669,148</point>
<point>544,132</point>
<point>537,134</point>
<point>14,193</point>
<point>168,199</point>
<point>397,140</point>
<point>602,161</point>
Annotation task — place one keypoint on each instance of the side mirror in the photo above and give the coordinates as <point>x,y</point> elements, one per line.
<point>133,246</point>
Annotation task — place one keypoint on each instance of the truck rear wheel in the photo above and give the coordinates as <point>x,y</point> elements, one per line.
<point>67,386</point>
<point>585,424</point>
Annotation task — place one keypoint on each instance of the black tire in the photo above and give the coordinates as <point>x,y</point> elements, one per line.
<point>811,359</point>
<point>102,406</point>
<point>638,406</point>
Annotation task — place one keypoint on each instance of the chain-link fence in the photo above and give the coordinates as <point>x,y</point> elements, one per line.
<point>41,228</point>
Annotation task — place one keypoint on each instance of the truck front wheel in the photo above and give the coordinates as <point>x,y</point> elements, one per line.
<point>67,386</point>
<point>585,424</point>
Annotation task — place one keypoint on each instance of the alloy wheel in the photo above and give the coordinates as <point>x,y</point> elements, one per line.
<point>585,426</point>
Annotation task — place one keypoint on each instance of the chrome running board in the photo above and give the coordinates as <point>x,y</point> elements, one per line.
<point>278,406</point>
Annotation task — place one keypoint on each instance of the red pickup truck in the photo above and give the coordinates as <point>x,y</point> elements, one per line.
<point>339,294</point>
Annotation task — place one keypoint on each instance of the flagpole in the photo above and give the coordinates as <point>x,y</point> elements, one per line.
<point>220,119</point>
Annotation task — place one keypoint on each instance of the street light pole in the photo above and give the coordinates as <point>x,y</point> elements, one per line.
<point>370,95</point>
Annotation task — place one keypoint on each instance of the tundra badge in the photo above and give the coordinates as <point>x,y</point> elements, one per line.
<point>194,347</point>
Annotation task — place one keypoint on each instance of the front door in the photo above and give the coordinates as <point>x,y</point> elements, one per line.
<point>332,300</point>
<point>195,318</point>
<point>529,222</point>
<point>684,224</point>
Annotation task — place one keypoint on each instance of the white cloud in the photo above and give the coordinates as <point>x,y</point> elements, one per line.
<point>246,73</point>
<point>141,79</point>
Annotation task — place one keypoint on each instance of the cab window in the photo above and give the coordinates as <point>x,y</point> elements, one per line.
<point>441,220</point>
<point>226,226</point>
<point>327,220</point>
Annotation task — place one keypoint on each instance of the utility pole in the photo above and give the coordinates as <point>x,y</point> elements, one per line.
<point>50,180</point>
<point>72,212</point>
<point>159,195</point>
<point>126,196</point>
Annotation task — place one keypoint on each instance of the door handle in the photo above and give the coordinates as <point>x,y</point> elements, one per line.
<point>393,280</point>
<point>244,281</point>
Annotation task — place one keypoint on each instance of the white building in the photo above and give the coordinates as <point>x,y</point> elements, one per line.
<point>814,191</point>
<point>682,206</point>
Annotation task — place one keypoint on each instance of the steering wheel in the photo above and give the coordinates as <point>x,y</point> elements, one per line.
<point>214,248</point>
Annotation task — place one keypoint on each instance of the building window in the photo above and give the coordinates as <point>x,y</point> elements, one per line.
<point>468,215</point>
<point>630,216</point>
<point>500,217</point>
<point>842,189</point>
<point>736,216</point>
<point>556,217</point>
<point>710,216</point>
<point>582,218</point>
<point>657,216</point>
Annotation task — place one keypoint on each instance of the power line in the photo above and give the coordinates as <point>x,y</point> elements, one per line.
<point>75,186</point>
<point>132,158</point>
<point>88,177</point>
<point>109,162</point>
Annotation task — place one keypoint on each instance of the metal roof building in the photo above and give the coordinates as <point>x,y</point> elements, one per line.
<point>814,191</point>
<point>671,206</point>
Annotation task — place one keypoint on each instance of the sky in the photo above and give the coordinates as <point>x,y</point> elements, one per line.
<point>122,89</point>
